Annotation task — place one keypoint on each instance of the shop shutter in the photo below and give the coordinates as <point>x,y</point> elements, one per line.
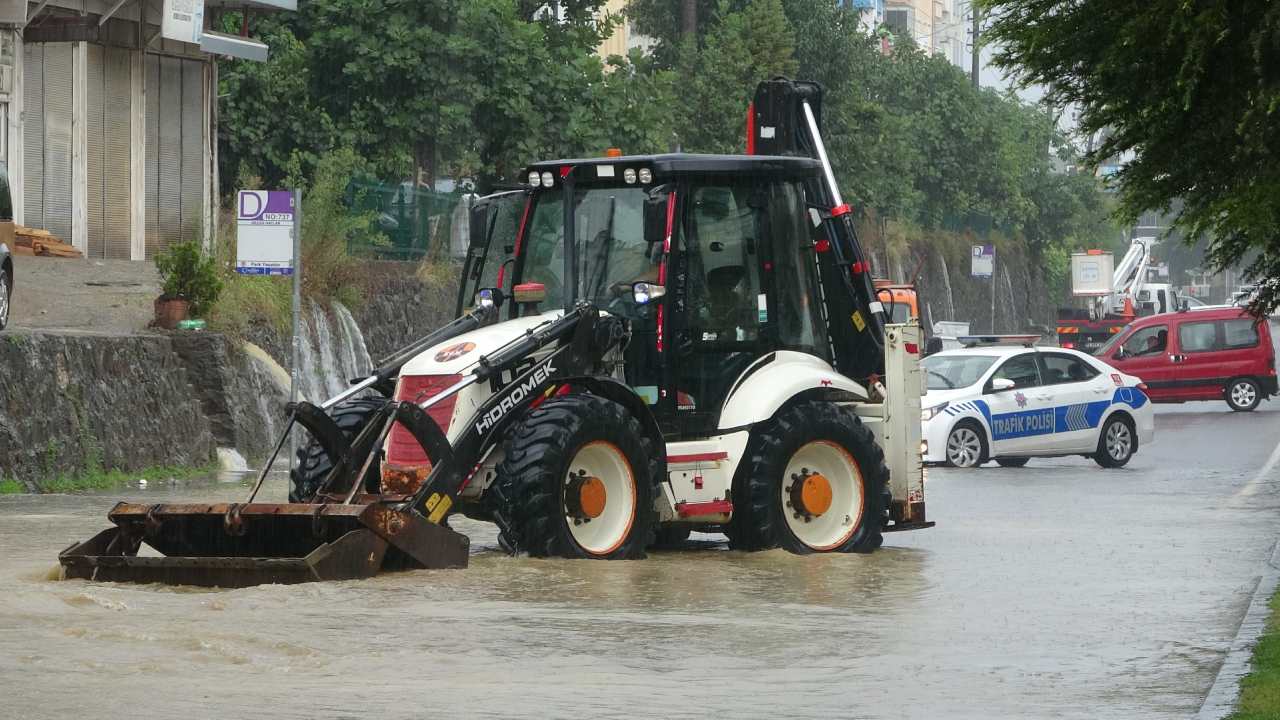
<point>169,155</point>
<point>116,196</point>
<point>192,168</point>
<point>33,135</point>
<point>59,60</point>
<point>175,138</point>
<point>95,234</point>
<point>151,176</point>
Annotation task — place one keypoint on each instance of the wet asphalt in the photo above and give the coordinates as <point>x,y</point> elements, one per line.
<point>1058,590</point>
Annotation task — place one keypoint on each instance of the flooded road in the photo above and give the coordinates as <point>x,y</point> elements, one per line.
<point>1058,590</point>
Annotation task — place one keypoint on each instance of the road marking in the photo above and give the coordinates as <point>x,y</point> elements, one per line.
<point>1252,487</point>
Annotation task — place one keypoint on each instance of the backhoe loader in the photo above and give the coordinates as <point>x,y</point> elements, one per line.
<point>663,343</point>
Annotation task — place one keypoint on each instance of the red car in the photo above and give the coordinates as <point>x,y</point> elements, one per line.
<point>1211,354</point>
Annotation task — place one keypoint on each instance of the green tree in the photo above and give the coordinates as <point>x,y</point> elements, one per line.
<point>743,48</point>
<point>401,73</point>
<point>1187,92</point>
<point>268,117</point>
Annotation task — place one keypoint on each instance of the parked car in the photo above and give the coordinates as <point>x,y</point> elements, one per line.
<point>1213,354</point>
<point>1008,404</point>
<point>6,242</point>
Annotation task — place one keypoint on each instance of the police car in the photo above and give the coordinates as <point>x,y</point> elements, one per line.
<point>1001,398</point>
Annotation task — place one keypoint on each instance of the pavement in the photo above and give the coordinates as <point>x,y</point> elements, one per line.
<point>1087,592</point>
<point>111,297</point>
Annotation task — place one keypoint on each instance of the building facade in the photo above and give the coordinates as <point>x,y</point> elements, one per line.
<point>108,127</point>
<point>939,27</point>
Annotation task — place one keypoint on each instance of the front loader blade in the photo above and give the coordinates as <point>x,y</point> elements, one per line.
<point>234,545</point>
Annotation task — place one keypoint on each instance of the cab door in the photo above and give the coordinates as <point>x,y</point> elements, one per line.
<point>1148,352</point>
<point>1021,417</point>
<point>1201,366</point>
<point>495,223</point>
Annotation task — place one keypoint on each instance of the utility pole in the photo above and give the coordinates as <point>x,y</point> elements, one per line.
<point>973,10</point>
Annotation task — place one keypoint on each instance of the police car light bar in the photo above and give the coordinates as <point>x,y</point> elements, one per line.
<point>989,340</point>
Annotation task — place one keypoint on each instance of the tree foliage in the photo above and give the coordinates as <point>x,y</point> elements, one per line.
<point>477,89</point>
<point>743,48</point>
<point>1187,93</point>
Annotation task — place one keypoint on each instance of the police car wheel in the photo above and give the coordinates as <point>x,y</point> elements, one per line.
<point>966,445</point>
<point>1242,394</point>
<point>1116,443</point>
<point>1012,462</point>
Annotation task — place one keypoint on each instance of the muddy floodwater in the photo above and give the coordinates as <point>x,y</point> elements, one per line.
<point>1057,590</point>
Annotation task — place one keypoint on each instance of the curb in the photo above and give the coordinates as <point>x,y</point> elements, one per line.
<point>1225,693</point>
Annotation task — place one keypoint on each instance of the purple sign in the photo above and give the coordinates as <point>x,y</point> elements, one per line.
<point>264,232</point>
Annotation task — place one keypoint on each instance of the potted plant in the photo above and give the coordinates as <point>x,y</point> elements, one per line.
<point>190,283</point>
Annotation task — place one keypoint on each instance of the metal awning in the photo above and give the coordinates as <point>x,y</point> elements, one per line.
<point>287,5</point>
<point>233,45</point>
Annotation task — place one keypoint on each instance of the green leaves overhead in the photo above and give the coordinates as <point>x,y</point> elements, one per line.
<point>1186,93</point>
<point>475,89</point>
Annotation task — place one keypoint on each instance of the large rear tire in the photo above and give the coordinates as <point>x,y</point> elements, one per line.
<point>578,480</point>
<point>314,463</point>
<point>814,481</point>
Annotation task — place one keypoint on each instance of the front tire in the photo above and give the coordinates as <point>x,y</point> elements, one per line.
<point>578,480</point>
<point>6,294</point>
<point>314,463</point>
<point>814,481</point>
<point>966,445</point>
<point>1116,443</point>
<point>1243,394</point>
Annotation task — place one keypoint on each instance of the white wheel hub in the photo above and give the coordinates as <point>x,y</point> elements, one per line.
<point>599,497</point>
<point>1119,440</point>
<point>828,476</point>
<point>964,447</point>
<point>1242,393</point>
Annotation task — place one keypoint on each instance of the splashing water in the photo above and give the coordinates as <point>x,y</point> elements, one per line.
<point>333,352</point>
<point>230,460</point>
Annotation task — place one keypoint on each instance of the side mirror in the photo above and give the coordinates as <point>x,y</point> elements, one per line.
<point>490,297</point>
<point>644,293</point>
<point>1120,354</point>
<point>1002,384</point>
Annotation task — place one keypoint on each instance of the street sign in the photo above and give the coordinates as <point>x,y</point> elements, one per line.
<point>983,261</point>
<point>182,20</point>
<point>264,232</point>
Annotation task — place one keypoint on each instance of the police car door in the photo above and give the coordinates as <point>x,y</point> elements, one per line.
<point>1079,395</point>
<point>1021,418</point>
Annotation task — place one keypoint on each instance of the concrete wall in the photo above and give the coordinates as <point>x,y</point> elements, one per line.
<point>74,402</point>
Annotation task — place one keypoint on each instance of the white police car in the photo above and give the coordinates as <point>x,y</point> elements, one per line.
<point>999,398</point>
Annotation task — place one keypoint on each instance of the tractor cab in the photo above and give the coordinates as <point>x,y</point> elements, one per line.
<point>711,259</point>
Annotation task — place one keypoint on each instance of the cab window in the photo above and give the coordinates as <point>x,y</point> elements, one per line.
<point>1151,340</point>
<point>1021,369</point>
<point>1240,333</point>
<point>1057,368</point>
<point>1196,336</point>
<point>723,264</point>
